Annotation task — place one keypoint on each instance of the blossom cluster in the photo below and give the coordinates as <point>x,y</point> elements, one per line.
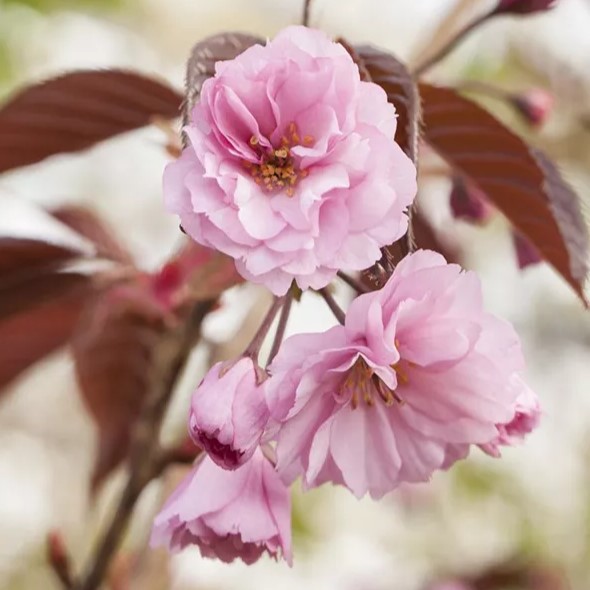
<point>293,170</point>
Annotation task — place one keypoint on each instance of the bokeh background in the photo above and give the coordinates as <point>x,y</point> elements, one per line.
<point>532,505</point>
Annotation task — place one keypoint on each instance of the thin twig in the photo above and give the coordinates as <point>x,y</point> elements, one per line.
<point>306,10</point>
<point>334,307</point>
<point>254,347</point>
<point>446,49</point>
<point>352,282</point>
<point>280,333</point>
<point>483,88</point>
<point>145,455</point>
<point>184,454</point>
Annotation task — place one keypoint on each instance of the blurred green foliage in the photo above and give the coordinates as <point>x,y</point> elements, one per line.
<point>49,5</point>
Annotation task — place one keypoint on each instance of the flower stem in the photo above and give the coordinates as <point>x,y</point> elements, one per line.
<point>280,333</point>
<point>421,68</point>
<point>352,282</point>
<point>483,88</point>
<point>305,19</point>
<point>334,307</point>
<point>253,348</point>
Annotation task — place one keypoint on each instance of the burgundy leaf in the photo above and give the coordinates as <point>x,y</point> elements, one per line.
<point>30,274</point>
<point>519,181</point>
<point>77,110</point>
<point>86,223</point>
<point>22,256</point>
<point>204,55</point>
<point>37,289</point>
<point>393,76</point>
<point>29,336</point>
<point>114,351</point>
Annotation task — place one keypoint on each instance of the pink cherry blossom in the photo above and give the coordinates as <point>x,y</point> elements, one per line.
<point>229,412</point>
<point>291,167</point>
<point>418,373</point>
<point>526,418</point>
<point>228,514</point>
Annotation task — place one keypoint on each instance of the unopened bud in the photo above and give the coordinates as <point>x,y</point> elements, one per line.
<point>469,203</point>
<point>523,6</point>
<point>527,253</point>
<point>534,105</point>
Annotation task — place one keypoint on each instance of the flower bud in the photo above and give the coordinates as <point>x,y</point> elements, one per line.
<point>534,106</point>
<point>229,412</point>
<point>523,6</point>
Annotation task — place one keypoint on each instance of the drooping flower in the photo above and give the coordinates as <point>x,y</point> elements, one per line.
<point>418,373</point>
<point>292,168</point>
<point>526,418</point>
<point>228,514</point>
<point>229,412</point>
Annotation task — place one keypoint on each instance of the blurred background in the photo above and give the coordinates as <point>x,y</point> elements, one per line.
<point>483,517</point>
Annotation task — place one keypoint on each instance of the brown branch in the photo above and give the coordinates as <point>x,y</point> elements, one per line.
<point>439,55</point>
<point>332,304</point>
<point>282,325</point>
<point>184,454</point>
<point>306,10</point>
<point>352,282</point>
<point>145,455</point>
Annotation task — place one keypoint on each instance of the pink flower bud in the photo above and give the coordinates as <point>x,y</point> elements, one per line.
<point>229,412</point>
<point>534,105</point>
<point>523,6</point>
<point>418,373</point>
<point>228,514</point>
<point>469,203</point>
<point>527,253</point>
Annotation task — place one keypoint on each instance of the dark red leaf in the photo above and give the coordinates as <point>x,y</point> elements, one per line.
<point>77,110</point>
<point>114,352</point>
<point>29,336</point>
<point>201,63</point>
<point>519,181</point>
<point>30,274</point>
<point>38,289</point>
<point>20,257</point>
<point>86,223</point>
<point>393,76</point>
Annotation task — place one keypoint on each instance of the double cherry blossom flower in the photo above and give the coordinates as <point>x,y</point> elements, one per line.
<point>292,169</point>
<point>291,166</point>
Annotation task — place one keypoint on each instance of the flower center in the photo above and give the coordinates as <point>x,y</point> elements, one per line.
<point>365,386</point>
<point>277,169</point>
